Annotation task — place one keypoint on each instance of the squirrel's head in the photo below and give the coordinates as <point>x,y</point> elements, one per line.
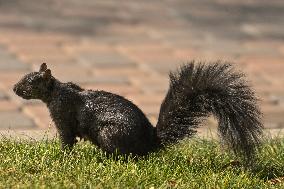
<point>34,85</point>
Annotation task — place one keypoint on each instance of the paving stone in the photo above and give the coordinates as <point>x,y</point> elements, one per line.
<point>151,84</point>
<point>148,51</point>
<point>71,73</point>
<point>30,134</point>
<point>86,45</point>
<point>257,47</point>
<point>9,62</point>
<point>166,66</point>
<point>36,61</point>
<point>124,71</point>
<point>150,110</point>
<point>40,114</point>
<point>3,50</point>
<point>40,51</point>
<point>185,54</point>
<point>8,79</point>
<point>7,105</point>
<point>83,75</point>
<point>3,95</point>
<point>111,80</point>
<point>275,97</point>
<point>119,48</point>
<point>274,118</point>
<point>16,41</point>
<point>15,120</point>
<point>85,79</point>
<point>120,89</point>
<point>122,39</point>
<point>148,99</point>
<point>153,119</point>
<point>105,60</point>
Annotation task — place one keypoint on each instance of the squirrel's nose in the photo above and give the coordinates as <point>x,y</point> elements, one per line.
<point>15,88</point>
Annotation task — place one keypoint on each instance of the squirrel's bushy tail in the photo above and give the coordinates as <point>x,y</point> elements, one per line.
<point>198,90</point>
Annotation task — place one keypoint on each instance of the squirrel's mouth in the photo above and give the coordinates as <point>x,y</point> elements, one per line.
<point>22,93</point>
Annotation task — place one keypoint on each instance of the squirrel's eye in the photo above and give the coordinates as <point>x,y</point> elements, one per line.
<point>30,82</point>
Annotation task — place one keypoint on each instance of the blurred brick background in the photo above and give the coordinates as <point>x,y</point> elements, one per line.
<point>129,46</point>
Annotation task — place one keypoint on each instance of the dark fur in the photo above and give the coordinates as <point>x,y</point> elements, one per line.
<point>117,125</point>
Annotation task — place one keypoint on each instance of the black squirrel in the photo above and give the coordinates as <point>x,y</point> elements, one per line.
<point>117,125</point>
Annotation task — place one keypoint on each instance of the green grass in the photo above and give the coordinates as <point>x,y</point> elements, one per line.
<point>192,164</point>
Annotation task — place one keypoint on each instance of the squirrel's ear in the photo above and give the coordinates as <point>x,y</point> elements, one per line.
<point>47,74</point>
<point>43,67</point>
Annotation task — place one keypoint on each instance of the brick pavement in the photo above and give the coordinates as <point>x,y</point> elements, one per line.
<point>129,48</point>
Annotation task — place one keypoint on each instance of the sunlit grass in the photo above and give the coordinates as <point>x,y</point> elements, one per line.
<point>192,164</point>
